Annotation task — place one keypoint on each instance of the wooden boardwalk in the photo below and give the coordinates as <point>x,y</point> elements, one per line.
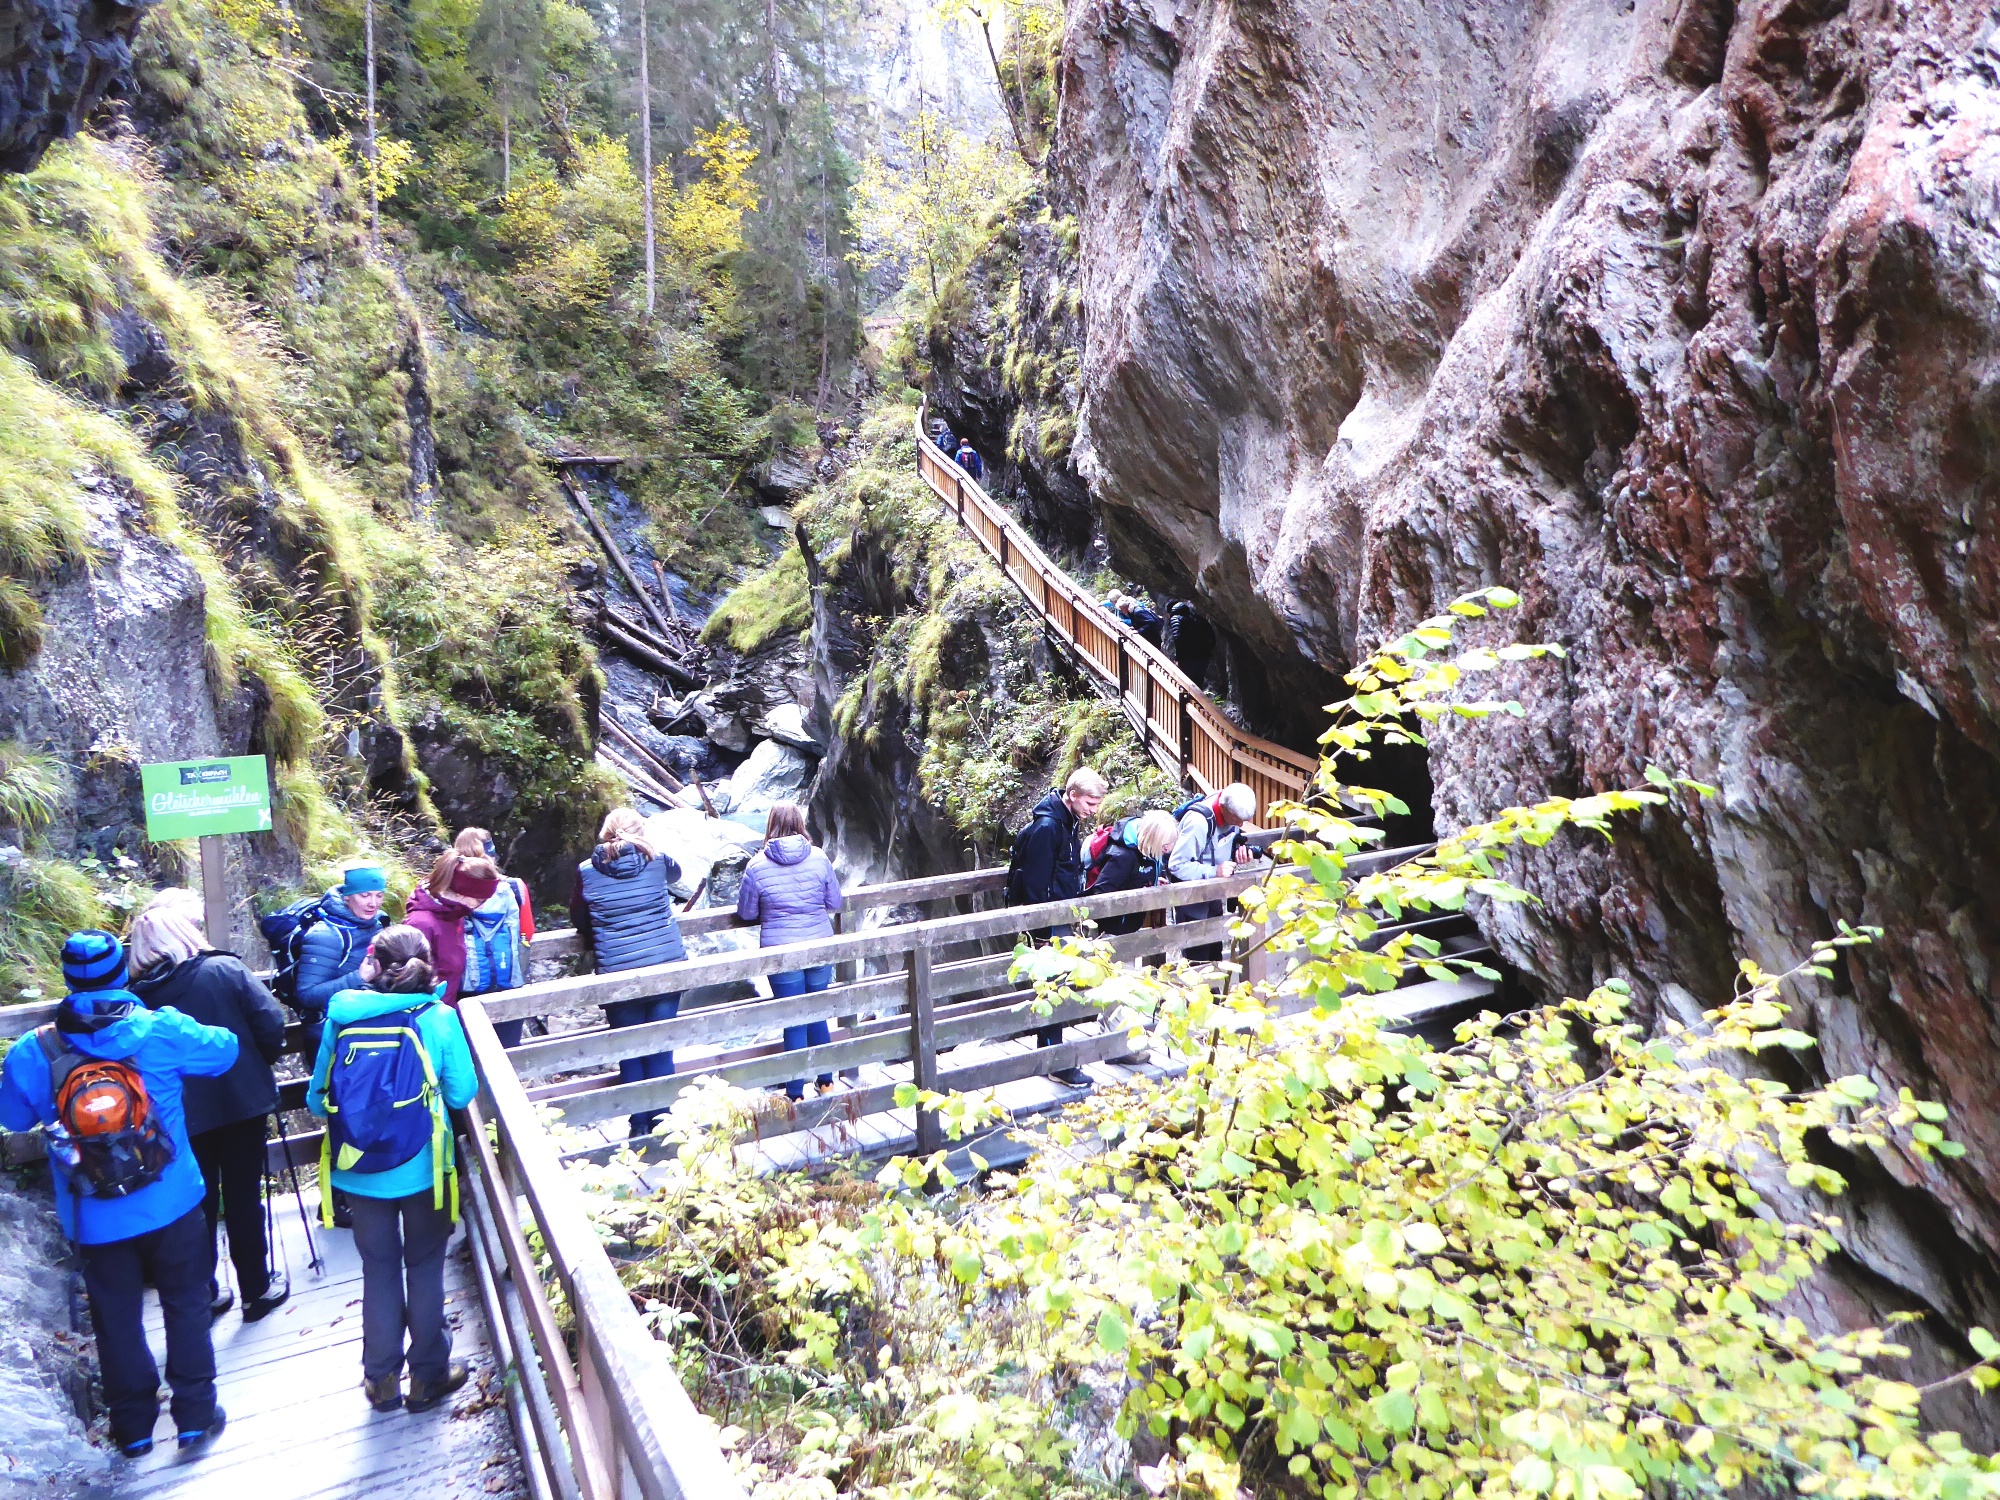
<point>299,1428</point>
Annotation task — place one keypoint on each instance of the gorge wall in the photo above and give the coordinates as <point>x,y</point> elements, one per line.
<point>1680,317</point>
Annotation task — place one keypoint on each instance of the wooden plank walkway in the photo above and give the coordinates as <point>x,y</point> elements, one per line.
<point>299,1427</point>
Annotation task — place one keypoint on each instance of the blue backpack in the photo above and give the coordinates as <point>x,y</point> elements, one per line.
<point>383,1105</point>
<point>283,929</point>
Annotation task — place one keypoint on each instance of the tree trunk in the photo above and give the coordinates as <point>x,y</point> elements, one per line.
<point>1017,117</point>
<point>506,148</point>
<point>374,173</point>
<point>646,156</point>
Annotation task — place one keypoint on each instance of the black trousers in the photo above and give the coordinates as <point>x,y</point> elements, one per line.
<point>402,1243</point>
<point>177,1259</point>
<point>232,1164</point>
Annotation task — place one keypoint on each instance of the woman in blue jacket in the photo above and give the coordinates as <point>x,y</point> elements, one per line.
<point>403,1215</point>
<point>791,891</point>
<point>154,1232</point>
<point>623,906</point>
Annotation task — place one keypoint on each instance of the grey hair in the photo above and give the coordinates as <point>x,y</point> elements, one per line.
<point>1239,799</point>
<point>167,930</point>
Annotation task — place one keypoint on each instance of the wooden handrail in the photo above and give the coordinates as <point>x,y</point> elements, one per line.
<point>1181,727</point>
<point>626,1422</point>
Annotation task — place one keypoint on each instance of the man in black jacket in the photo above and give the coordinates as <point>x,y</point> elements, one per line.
<point>1048,866</point>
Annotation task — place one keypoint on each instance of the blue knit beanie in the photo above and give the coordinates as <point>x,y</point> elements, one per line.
<point>93,960</point>
<point>360,879</point>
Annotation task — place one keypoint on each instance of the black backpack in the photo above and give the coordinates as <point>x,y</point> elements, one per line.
<point>1015,895</point>
<point>284,929</point>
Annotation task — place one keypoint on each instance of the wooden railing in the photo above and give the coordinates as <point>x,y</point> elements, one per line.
<point>1183,730</point>
<point>605,1416</point>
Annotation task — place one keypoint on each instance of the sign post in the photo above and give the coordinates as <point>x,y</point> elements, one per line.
<point>207,799</point>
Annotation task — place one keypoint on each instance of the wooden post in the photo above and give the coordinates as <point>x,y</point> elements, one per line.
<point>215,891</point>
<point>846,973</point>
<point>1003,549</point>
<point>923,1047</point>
<point>958,485</point>
<point>1124,668</point>
<point>1187,732</point>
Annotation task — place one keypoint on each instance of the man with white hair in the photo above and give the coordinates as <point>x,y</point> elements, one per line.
<point>1208,846</point>
<point>1048,866</point>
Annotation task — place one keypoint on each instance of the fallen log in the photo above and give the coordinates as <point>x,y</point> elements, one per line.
<point>640,781</point>
<point>643,634</point>
<point>611,548</point>
<point>646,655</point>
<point>667,599</point>
<point>646,757</point>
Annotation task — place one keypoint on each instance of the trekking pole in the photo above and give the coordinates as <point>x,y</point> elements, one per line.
<point>314,1264</point>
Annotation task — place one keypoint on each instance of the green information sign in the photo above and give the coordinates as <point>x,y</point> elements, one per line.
<point>189,799</point>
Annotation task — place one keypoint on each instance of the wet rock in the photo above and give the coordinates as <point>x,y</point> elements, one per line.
<point>58,58</point>
<point>774,772</point>
<point>698,843</point>
<point>45,1368</point>
<point>1681,319</point>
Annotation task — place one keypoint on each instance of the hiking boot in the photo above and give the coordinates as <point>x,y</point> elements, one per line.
<point>219,1302</point>
<point>425,1394</point>
<point>385,1394</point>
<point>201,1437</point>
<point>137,1448</point>
<point>275,1292</point>
<point>1076,1078</point>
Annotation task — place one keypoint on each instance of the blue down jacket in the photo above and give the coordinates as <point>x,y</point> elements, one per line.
<point>623,907</point>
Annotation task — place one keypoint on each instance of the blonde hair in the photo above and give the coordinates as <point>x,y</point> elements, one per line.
<point>472,842</point>
<point>1087,781</point>
<point>783,820</point>
<point>451,863</point>
<point>167,930</point>
<point>622,826</point>
<point>1157,833</point>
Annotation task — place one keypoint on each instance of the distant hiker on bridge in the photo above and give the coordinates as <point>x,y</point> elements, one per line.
<point>942,436</point>
<point>968,460</point>
<point>1132,857</point>
<point>1209,846</point>
<point>1047,865</point>
<point>392,1061</point>
<point>1190,640</point>
<point>1140,616</point>
<point>624,909</point>
<point>174,965</point>
<point>791,891</point>
<point>456,887</point>
<point>328,940</point>
<point>104,1082</point>
<point>497,935</point>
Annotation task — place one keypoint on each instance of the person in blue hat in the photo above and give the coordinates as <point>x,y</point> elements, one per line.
<point>332,947</point>
<point>104,1082</point>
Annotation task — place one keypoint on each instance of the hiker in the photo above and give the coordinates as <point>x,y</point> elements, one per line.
<point>1208,846</point>
<point>968,460</point>
<point>497,935</point>
<point>624,908</point>
<point>1047,865</point>
<point>1190,640</point>
<point>1141,617</point>
<point>174,965</point>
<point>128,1197</point>
<point>378,1052</point>
<point>1133,858</point>
<point>454,889</point>
<point>790,890</point>
<point>334,936</point>
<point>942,436</point>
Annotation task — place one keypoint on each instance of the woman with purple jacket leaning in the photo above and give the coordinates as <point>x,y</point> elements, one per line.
<point>791,890</point>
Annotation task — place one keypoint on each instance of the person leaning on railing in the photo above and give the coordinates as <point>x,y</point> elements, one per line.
<point>1048,866</point>
<point>1135,859</point>
<point>623,906</point>
<point>1209,845</point>
<point>791,892</point>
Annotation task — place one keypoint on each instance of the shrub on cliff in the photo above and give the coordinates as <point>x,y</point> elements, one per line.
<point>1562,1257</point>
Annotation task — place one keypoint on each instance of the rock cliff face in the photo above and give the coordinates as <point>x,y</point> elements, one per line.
<point>1680,316</point>
<point>57,59</point>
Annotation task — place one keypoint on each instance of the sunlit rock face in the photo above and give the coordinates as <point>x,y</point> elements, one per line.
<point>1680,317</point>
<point>57,59</point>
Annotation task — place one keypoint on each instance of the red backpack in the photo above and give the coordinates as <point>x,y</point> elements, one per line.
<point>1097,852</point>
<point>106,1135</point>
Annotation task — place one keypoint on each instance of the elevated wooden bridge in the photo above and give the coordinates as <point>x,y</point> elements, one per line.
<point>593,1408</point>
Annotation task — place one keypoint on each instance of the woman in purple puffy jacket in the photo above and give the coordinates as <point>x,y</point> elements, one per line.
<point>791,890</point>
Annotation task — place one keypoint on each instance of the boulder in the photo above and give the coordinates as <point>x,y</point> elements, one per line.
<point>698,843</point>
<point>775,772</point>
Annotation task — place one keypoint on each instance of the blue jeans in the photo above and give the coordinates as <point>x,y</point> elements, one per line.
<point>509,1032</point>
<point>812,1033</point>
<point>654,1064</point>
